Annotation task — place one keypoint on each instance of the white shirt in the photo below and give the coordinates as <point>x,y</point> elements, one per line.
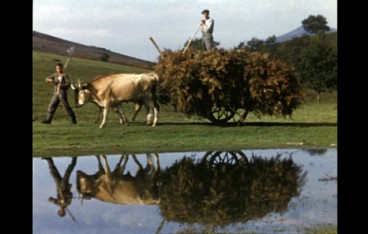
<point>207,27</point>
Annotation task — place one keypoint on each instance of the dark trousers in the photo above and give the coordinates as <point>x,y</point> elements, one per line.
<point>56,99</point>
<point>207,41</point>
<point>61,182</point>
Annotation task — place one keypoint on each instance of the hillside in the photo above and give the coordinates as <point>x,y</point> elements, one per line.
<point>46,43</point>
<point>298,32</point>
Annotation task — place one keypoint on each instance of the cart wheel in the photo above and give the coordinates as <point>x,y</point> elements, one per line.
<point>219,116</point>
<point>221,157</point>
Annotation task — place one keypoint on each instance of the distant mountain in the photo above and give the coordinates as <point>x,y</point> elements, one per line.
<point>298,32</point>
<point>46,43</point>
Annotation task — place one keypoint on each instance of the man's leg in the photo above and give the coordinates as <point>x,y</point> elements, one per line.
<point>64,99</point>
<point>52,109</point>
<point>204,44</point>
<point>53,171</point>
<point>70,168</point>
<point>65,180</point>
<point>208,42</point>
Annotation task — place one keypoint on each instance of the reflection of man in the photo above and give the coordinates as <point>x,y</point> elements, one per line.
<point>63,188</point>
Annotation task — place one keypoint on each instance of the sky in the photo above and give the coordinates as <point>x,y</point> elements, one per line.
<point>124,26</point>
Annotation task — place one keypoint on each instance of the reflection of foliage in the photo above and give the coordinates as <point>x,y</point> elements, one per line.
<point>222,194</point>
<point>195,229</point>
<point>315,152</point>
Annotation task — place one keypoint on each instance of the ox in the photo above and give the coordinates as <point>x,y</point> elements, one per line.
<point>116,187</point>
<point>123,118</point>
<point>110,91</point>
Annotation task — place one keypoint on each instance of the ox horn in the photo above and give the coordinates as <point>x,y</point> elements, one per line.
<point>79,85</point>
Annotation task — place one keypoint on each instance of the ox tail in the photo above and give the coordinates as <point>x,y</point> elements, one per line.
<point>154,87</point>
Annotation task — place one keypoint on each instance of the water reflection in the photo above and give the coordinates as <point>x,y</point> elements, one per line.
<point>120,188</point>
<point>316,152</point>
<point>251,191</point>
<point>227,187</point>
<point>63,188</point>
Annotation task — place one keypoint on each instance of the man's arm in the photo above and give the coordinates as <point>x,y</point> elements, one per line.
<point>207,26</point>
<point>50,79</point>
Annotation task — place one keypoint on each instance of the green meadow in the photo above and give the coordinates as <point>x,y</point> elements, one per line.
<point>312,125</point>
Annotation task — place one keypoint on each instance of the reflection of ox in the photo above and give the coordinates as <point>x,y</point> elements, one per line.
<point>116,187</point>
<point>111,91</point>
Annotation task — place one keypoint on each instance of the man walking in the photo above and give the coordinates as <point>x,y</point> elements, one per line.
<point>62,84</point>
<point>207,25</point>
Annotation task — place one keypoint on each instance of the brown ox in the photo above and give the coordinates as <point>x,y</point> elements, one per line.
<point>123,118</point>
<point>110,91</point>
<point>119,188</point>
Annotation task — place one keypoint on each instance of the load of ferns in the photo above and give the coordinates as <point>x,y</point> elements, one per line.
<point>235,81</point>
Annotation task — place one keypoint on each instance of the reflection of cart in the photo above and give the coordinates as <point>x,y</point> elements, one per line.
<point>224,188</point>
<point>224,157</point>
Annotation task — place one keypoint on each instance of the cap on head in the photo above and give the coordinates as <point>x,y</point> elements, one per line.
<point>205,11</point>
<point>61,212</point>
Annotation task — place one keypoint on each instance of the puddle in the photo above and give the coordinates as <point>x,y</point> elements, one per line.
<point>261,191</point>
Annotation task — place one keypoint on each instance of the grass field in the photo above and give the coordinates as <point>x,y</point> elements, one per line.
<point>313,125</point>
<point>322,230</point>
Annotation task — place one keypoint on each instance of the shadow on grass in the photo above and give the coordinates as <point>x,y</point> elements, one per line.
<point>260,124</point>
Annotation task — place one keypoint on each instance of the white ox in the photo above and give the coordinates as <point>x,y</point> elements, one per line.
<point>119,188</point>
<point>110,91</point>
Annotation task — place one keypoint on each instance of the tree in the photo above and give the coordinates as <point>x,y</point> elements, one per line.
<point>255,44</point>
<point>258,45</point>
<point>291,51</point>
<point>270,41</point>
<point>104,57</point>
<point>240,46</point>
<point>318,65</point>
<point>315,24</point>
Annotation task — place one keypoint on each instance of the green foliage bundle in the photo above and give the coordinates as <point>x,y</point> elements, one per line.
<point>227,81</point>
<point>222,194</point>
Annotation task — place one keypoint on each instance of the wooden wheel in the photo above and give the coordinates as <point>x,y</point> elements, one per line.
<point>224,157</point>
<point>219,116</point>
